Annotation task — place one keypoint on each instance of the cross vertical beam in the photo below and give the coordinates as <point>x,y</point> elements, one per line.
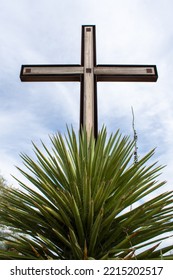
<point>88,107</point>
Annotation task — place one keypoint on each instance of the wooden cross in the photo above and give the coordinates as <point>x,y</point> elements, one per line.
<point>88,73</point>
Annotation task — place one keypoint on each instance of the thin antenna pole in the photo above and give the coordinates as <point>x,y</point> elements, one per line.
<point>135,138</point>
<point>135,142</point>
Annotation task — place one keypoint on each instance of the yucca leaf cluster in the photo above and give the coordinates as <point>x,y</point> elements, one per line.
<point>78,201</point>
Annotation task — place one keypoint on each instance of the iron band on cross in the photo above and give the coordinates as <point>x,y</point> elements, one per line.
<point>88,73</point>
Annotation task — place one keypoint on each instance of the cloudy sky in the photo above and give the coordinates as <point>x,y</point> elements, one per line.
<point>49,32</point>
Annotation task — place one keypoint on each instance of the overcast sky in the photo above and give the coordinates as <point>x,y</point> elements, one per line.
<point>49,32</point>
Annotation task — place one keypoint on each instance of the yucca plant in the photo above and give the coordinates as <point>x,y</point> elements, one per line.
<point>77,203</point>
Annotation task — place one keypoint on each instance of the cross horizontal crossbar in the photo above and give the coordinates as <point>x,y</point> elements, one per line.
<point>103,73</point>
